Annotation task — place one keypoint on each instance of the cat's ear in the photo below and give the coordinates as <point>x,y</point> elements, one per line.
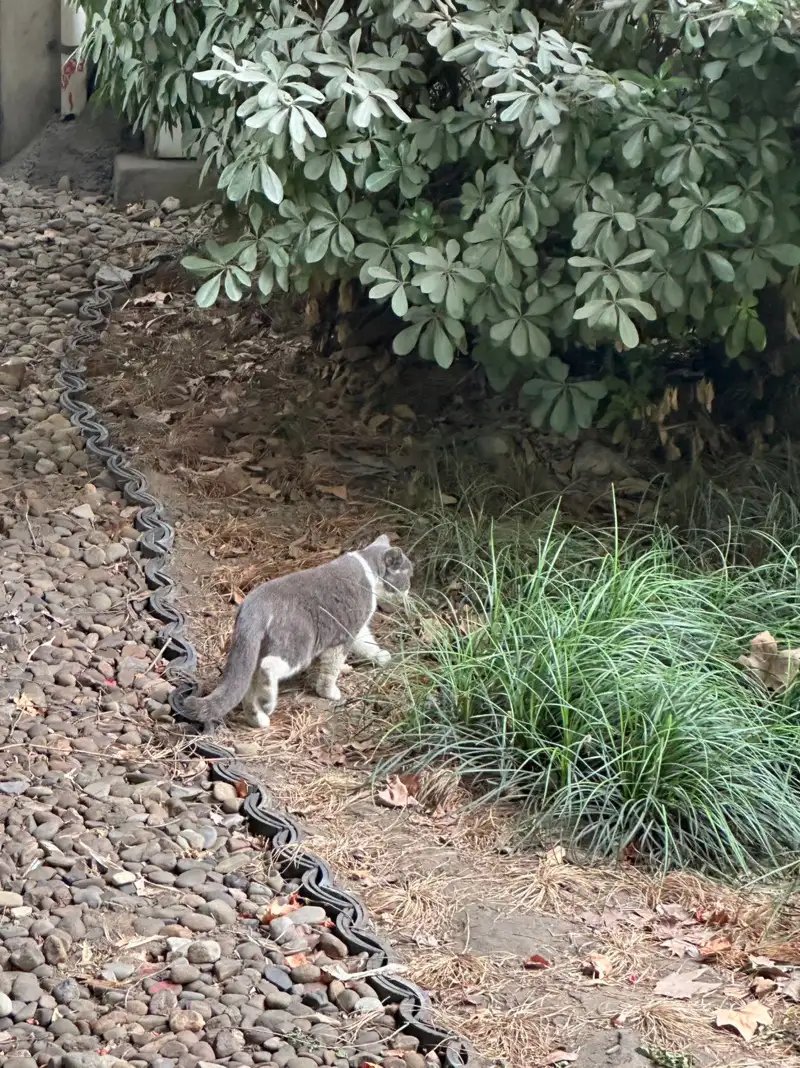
<point>393,559</point>
<point>382,541</point>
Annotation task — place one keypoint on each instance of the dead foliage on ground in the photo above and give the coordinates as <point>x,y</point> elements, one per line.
<point>529,952</point>
<point>273,459</point>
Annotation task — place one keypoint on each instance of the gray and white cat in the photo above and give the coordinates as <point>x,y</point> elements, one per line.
<point>284,625</point>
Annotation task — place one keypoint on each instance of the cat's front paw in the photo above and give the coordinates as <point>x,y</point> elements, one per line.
<point>260,721</point>
<point>330,693</point>
<point>382,657</point>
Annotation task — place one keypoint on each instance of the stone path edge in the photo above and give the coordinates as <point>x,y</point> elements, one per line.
<point>281,833</point>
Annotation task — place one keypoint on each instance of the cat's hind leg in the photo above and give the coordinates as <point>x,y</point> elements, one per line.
<point>330,665</point>
<point>259,704</point>
<point>366,648</point>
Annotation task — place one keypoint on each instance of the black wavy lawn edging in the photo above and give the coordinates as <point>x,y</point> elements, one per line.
<point>317,885</point>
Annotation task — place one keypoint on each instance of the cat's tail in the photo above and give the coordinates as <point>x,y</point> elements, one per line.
<point>248,634</point>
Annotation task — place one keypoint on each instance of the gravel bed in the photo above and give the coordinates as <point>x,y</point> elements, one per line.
<point>140,922</point>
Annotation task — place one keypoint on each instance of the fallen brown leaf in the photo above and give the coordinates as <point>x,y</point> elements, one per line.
<point>761,986</point>
<point>679,947</point>
<point>242,789</point>
<point>610,919</point>
<point>714,917</point>
<point>775,669</point>
<point>536,962</point>
<point>791,990</point>
<point>746,1020</point>
<point>264,489</point>
<point>412,783</point>
<point>598,965</point>
<point>674,912</point>
<point>275,909</point>
<point>334,491</point>
<point>712,949</point>
<point>294,960</point>
<point>153,298</point>
<point>396,794</point>
<point>556,854</point>
<point>684,985</point>
<point>25,704</point>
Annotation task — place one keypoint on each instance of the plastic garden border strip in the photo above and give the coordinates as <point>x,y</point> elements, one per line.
<point>282,834</point>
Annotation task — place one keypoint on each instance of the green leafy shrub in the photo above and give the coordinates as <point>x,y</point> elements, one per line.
<point>516,183</point>
<point>595,680</point>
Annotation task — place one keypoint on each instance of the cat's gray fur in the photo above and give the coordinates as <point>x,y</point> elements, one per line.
<point>284,625</point>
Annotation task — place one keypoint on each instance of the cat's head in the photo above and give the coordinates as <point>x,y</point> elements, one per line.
<point>391,566</point>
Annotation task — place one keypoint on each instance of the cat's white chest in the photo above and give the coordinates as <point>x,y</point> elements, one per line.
<point>371,579</point>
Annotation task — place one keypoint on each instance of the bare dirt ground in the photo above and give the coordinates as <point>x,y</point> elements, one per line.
<point>272,459</point>
<point>81,149</point>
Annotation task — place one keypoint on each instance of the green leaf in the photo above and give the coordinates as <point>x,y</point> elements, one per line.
<point>541,197</point>
<point>736,339</point>
<point>399,302</point>
<point>731,220</point>
<point>583,408</point>
<point>561,418</point>
<point>209,291</point>
<point>270,183</point>
<point>518,342</point>
<point>232,288</point>
<point>721,267</point>
<point>556,369</point>
<point>538,342</point>
<point>693,234</point>
<point>539,412</point>
<point>633,149</point>
<point>714,70</point>
<point>628,334</point>
<point>443,348</point>
<point>406,341</point>
<point>502,331</point>
<point>499,372</point>
<point>647,311</point>
<point>337,175</point>
<point>788,255</point>
<point>197,263</point>
<point>644,255</point>
<point>756,334</point>
<point>314,167</point>
<point>317,247</point>
<point>595,390</point>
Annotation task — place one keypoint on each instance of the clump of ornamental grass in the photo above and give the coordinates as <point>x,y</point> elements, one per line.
<point>594,678</point>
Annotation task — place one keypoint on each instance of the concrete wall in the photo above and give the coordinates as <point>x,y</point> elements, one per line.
<point>30,70</point>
